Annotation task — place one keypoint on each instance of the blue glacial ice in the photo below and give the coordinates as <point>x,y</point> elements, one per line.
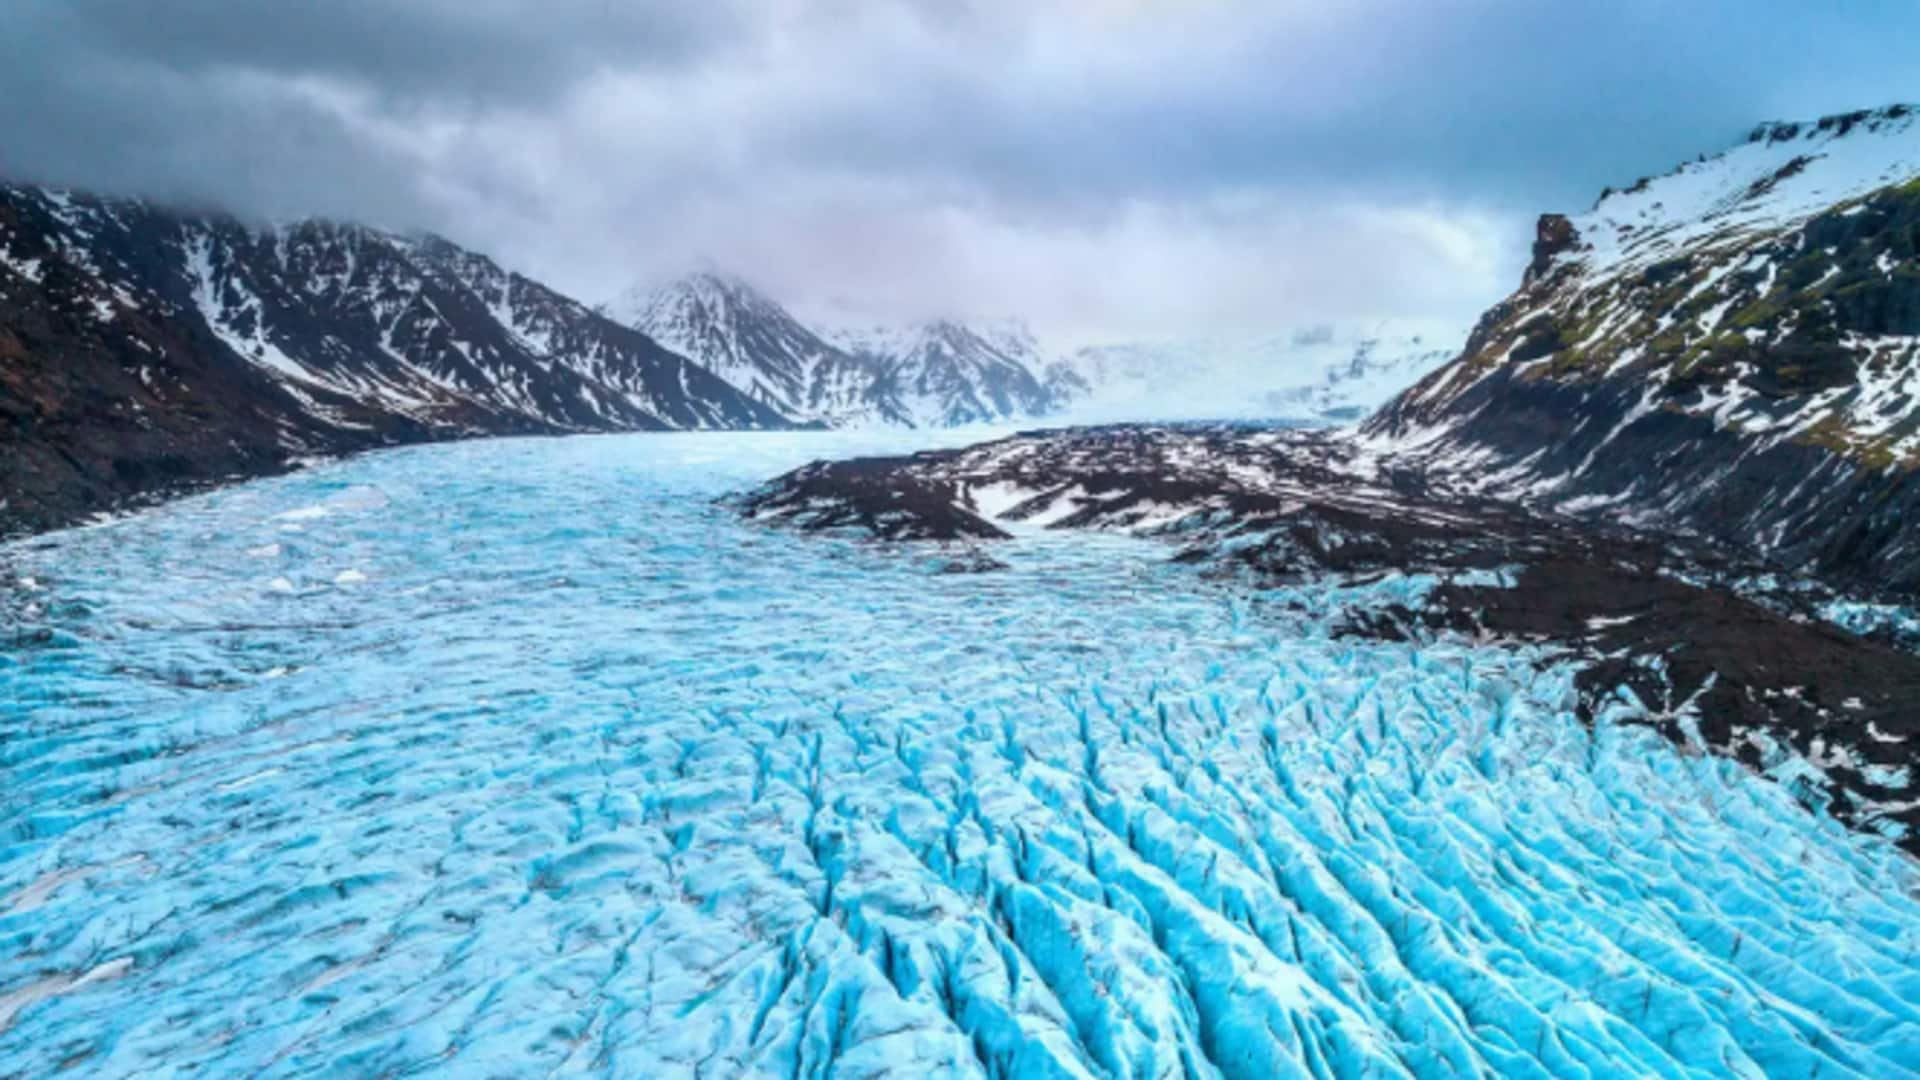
<point>525,758</point>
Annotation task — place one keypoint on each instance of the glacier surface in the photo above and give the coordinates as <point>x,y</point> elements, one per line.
<point>524,757</point>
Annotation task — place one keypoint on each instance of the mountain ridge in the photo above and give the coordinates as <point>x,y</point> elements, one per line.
<point>748,339</point>
<point>942,372</point>
<point>1733,347</point>
<point>947,373</point>
<point>150,350</point>
<point>935,373</point>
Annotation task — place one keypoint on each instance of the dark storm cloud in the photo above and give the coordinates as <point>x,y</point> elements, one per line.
<point>408,51</point>
<point>300,107</point>
<point>1095,162</point>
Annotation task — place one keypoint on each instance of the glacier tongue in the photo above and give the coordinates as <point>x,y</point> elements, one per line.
<point>582,774</point>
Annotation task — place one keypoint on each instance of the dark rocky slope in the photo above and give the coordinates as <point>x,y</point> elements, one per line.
<point>1733,348</point>
<point>143,351</point>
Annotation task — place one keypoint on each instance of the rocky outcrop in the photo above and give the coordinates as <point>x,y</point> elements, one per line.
<point>1552,235</point>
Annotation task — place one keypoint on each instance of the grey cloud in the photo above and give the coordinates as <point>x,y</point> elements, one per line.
<point>438,53</point>
<point>306,107</point>
<point>1471,100</point>
<point>1121,161</point>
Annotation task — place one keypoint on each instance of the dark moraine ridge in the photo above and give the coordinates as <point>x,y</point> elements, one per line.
<point>1687,635</point>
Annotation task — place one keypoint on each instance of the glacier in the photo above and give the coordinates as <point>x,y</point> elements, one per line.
<point>527,757</point>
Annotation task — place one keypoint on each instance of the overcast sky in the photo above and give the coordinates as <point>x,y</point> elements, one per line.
<point>1104,167</point>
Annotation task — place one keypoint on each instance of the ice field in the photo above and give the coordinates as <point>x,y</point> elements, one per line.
<point>525,758</point>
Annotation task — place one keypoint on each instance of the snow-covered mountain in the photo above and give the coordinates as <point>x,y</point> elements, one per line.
<point>752,342</point>
<point>1320,374</point>
<point>935,374</point>
<point>1733,347</point>
<point>944,373</point>
<point>146,348</point>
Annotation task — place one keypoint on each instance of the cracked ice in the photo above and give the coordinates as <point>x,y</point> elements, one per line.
<point>523,757</point>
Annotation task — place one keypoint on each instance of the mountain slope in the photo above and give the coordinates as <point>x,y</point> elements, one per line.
<point>1733,347</point>
<point>144,349</point>
<point>756,345</point>
<point>945,373</point>
<point>934,374</point>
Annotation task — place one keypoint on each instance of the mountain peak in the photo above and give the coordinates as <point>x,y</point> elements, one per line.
<point>723,323</point>
<point>705,289</point>
<point>713,282</point>
<point>948,332</point>
<point>939,372</point>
